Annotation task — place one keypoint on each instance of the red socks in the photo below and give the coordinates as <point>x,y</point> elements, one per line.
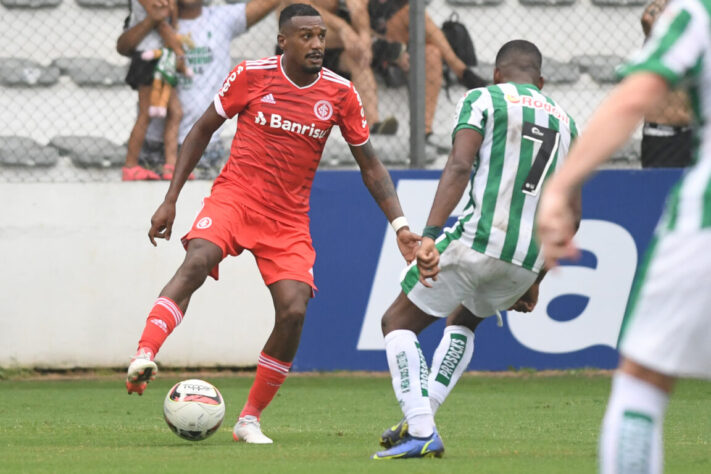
<point>271,373</point>
<point>163,318</point>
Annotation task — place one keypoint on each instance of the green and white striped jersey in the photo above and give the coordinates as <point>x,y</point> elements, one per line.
<point>526,136</point>
<point>679,50</point>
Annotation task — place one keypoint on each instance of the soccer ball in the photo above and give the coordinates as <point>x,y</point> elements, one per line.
<point>194,409</point>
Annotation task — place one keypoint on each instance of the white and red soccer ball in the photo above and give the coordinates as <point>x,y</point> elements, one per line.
<point>194,409</point>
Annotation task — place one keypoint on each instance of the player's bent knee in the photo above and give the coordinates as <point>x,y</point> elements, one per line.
<point>292,315</point>
<point>463,317</point>
<point>404,314</point>
<point>195,269</point>
<point>386,324</point>
<point>395,316</point>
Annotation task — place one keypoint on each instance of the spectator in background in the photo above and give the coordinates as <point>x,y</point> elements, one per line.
<point>349,53</point>
<point>140,77</point>
<point>390,19</point>
<point>211,28</point>
<point>666,134</point>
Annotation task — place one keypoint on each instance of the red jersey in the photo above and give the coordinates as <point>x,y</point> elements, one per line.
<point>281,131</point>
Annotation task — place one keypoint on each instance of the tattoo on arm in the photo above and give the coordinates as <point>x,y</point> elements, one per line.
<point>377,179</point>
<point>382,189</point>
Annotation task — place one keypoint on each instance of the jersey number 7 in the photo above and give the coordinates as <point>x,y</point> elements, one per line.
<point>548,139</point>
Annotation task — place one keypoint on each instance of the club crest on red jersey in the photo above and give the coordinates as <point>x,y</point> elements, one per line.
<point>204,223</point>
<point>323,110</point>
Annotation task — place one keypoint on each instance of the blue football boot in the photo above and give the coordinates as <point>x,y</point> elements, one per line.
<point>411,447</point>
<point>394,435</point>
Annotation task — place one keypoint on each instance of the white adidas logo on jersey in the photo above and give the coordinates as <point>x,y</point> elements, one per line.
<point>269,99</point>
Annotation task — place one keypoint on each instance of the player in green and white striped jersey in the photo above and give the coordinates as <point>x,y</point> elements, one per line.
<point>666,332</point>
<point>514,137</point>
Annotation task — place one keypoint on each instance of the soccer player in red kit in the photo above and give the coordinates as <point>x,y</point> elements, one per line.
<point>286,107</point>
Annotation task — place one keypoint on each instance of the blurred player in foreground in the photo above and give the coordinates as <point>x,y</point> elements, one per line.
<point>489,260</point>
<point>287,106</point>
<point>666,329</point>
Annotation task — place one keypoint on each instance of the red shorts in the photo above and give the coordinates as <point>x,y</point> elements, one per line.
<point>282,251</point>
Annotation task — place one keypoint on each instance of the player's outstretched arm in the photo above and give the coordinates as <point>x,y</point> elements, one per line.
<point>258,9</point>
<point>608,129</point>
<point>157,11</point>
<point>190,153</point>
<point>378,181</point>
<point>452,184</point>
<point>455,175</point>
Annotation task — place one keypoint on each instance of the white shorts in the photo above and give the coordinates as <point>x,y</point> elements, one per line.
<point>483,284</point>
<point>667,327</point>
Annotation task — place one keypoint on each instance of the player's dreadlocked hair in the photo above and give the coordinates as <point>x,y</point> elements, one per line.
<point>522,55</point>
<point>296,9</point>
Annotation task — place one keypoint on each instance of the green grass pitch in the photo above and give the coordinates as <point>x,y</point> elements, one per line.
<point>330,423</point>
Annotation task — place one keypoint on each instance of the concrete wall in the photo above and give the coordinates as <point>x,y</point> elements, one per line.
<point>78,277</point>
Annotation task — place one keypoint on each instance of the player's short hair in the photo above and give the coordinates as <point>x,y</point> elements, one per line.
<point>296,9</point>
<point>522,55</point>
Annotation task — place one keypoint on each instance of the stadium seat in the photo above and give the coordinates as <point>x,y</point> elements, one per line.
<point>546,2</point>
<point>629,153</point>
<point>619,3</point>
<point>31,3</point>
<point>102,3</point>
<point>338,161</point>
<point>23,151</point>
<point>485,70</point>
<point>236,60</point>
<point>92,72</point>
<point>396,160</point>
<point>600,66</point>
<point>556,72</point>
<point>17,72</point>
<point>90,152</point>
<point>475,2</point>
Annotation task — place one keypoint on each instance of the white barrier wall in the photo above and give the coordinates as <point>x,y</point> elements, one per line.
<point>78,277</point>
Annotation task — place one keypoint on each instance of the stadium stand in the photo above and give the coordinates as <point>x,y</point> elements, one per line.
<point>547,2</point>
<point>102,3</point>
<point>92,71</point>
<point>16,72</point>
<point>474,2</point>
<point>25,152</point>
<point>554,72</point>
<point>90,152</point>
<point>557,72</point>
<point>60,75</point>
<point>600,66</point>
<point>627,155</point>
<point>619,3</point>
<point>30,3</point>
